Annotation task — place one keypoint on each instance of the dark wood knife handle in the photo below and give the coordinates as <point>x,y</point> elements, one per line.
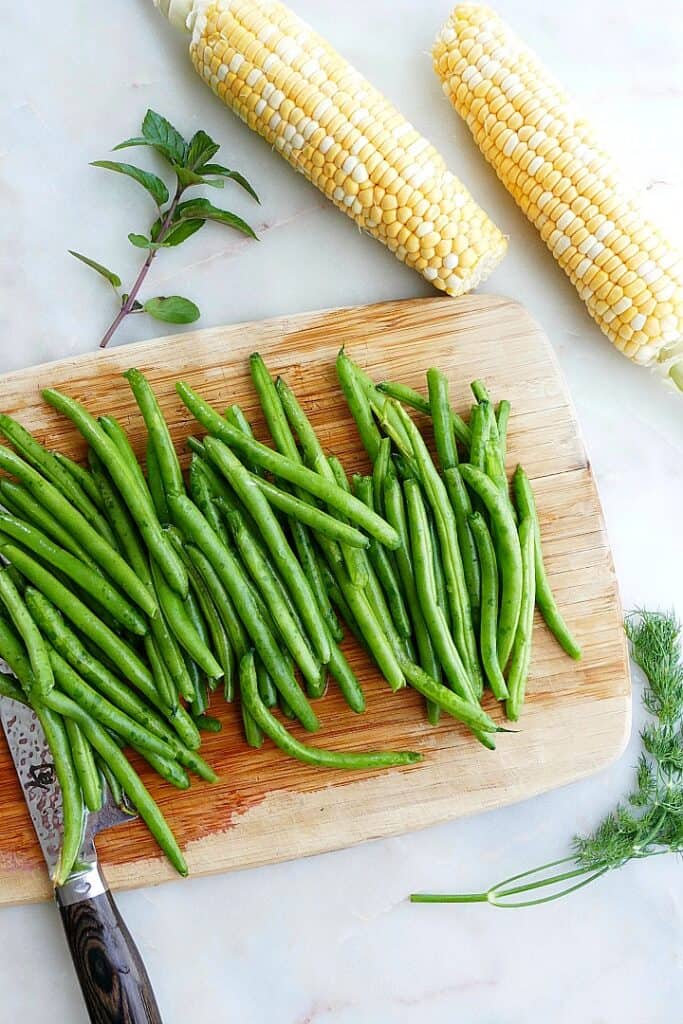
<point>110,970</point>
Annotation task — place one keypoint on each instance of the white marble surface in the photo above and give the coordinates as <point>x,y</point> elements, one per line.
<point>332,940</point>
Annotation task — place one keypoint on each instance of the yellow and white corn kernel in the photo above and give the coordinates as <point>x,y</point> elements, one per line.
<point>289,85</point>
<point>546,155</point>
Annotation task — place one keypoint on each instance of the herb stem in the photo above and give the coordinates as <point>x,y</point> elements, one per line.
<point>127,306</point>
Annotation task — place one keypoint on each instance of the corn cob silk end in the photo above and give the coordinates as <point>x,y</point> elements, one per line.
<point>331,125</point>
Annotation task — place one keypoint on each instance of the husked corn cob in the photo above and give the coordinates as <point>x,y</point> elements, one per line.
<point>329,123</point>
<point>548,158</point>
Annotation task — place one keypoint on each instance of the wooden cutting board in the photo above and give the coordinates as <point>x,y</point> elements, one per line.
<point>266,807</point>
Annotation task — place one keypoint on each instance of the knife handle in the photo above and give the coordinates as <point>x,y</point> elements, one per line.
<point>112,976</point>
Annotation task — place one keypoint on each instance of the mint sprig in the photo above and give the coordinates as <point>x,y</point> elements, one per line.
<point>177,217</point>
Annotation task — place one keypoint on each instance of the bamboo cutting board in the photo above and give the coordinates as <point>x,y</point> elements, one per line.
<point>266,807</point>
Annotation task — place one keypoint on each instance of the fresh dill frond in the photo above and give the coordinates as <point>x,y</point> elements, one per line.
<point>651,821</point>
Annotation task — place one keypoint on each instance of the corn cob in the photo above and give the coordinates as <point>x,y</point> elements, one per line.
<point>548,158</point>
<point>290,86</point>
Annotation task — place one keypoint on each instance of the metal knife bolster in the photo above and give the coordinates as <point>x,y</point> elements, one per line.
<point>81,885</point>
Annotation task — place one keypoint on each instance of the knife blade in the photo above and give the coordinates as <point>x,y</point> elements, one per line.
<point>112,976</point>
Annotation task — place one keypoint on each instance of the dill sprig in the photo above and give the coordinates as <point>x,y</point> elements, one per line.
<point>650,821</point>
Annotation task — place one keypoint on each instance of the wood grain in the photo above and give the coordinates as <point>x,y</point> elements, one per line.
<point>266,807</point>
<point>114,981</point>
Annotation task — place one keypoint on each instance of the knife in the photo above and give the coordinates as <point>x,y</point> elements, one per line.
<point>110,971</point>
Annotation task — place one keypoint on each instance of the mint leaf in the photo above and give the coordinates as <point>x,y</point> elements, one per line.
<point>200,149</point>
<point>187,178</point>
<point>182,231</point>
<point>114,279</point>
<point>172,309</point>
<point>161,134</point>
<point>137,141</point>
<point>142,242</point>
<point>202,208</point>
<point>154,185</point>
<point>235,176</point>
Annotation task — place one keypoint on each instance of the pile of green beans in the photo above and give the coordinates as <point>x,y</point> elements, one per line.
<point>470,561</point>
<point>129,594</point>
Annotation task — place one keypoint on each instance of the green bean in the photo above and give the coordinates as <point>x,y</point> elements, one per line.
<point>83,478</point>
<point>276,542</point>
<point>96,545</point>
<point>13,652</point>
<point>21,504</point>
<point>51,623</point>
<point>435,619</point>
<point>117,434</point>
<point>396,515</point>
<point>439,575</point>
<point>165,687</point>
<point>113,783</point>
<point>309,755</point>
<point>87,579</point>
<point>200,691</point>
<point>313,517</point>
<point>363,614</point>
<point>9,688</point>
<point>526,505</point>
<point>380,470</point>
<point>236,417</point>
<point>493,459</point>
<point>92,671</point>
<point>166,767</point>
<point>49,466</point>
<point>342,606</point>
<point>135,496</point>
<point>100,708</point>
<point>286,445</point>
<point>266,689</point>
<point>156,484</point>
<point>489,605</point>
<point>130,544</point>
<point>508,554</point>
<point>29,633</point>
<point>265,578</point>
<point>356,564</point>
<point>520,659</point>
<point>84,620</point>
<point>159,434</point>
<point>217,631</point>
<point>480,425</point>
<point>480,391</point>
<point>458,597</point>
<point>439,404</point>
<point>381,562</point>
<point>284,706</point>
<point>408,396</point>
<point>203,496</point>
<point>175,611</point>
<point>287,469</point>
<point>86,769</point>
<point>373,589</point>
<point>359,406</point>
<point>502,418</point>
<point>207,723</point>
<point>252,732</point>
<point>224,604</point>
<point>73,809</point>
<point>232,576</point>
<point>472,715</point>
<point>346,680</point>
<point>462,507</point>
<point>126,775</point>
